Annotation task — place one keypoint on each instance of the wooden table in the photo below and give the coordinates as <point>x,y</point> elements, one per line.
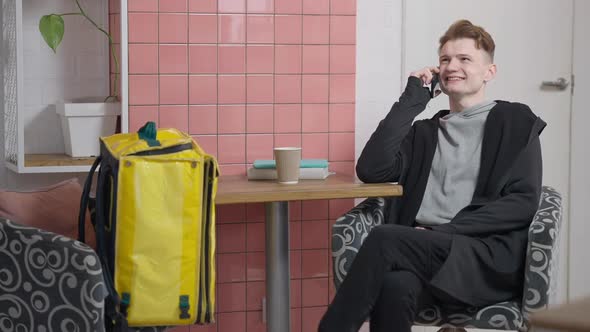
<point>237,189</point>
<point>571,317</point>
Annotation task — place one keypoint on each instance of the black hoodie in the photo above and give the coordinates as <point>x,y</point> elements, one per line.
<point>504,203</point>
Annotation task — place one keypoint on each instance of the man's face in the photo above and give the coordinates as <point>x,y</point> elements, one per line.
<point>464,69</point>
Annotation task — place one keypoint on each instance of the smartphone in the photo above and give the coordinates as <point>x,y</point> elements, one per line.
<point>435,86</point>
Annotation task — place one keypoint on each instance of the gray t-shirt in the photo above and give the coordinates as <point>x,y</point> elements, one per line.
<point>455,167</point>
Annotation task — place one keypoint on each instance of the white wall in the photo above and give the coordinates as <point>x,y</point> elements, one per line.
<point>378,64</point>
<point>579,255</point>
<point>79,69</point>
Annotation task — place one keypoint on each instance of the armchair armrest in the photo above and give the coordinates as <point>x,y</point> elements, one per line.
<point>349,232</point>
<point>542,253</point>
<point>48,279</point>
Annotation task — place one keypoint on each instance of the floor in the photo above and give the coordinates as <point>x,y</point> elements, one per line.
<point>365,328</point>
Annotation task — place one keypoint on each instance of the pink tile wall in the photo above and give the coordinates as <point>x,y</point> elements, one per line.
<point>244,76</point>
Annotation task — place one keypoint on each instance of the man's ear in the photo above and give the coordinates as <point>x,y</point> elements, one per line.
<point>490,73</point>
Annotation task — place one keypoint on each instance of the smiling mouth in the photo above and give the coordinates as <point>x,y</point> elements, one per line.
<point>454,79</point>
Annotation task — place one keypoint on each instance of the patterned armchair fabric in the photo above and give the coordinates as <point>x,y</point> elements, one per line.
<point>350,231</point>
<point>48,282</point>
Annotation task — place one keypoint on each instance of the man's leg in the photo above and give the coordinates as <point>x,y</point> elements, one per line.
<point>397,304</point>
<point>387,248</point>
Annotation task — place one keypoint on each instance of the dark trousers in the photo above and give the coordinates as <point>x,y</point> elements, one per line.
<point>388,280</point>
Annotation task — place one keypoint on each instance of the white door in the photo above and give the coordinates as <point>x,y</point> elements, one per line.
<point>533,44</point>
<point>579,255</point>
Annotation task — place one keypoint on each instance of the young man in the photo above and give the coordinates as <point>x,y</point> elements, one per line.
<point>472,181</point>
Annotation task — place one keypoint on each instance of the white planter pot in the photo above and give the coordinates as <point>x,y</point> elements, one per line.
<point>83,122</point>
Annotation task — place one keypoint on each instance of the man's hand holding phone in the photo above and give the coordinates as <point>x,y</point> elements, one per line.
<point>429,75</point>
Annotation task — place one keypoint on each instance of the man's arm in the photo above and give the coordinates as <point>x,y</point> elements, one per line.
<point>382,159</point>
<point>514,210</point>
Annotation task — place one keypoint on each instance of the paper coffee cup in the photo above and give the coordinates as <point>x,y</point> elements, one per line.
<point>288,160</point>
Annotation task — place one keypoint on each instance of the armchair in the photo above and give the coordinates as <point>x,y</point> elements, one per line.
<point>351,230</point>
<point>48,282</point>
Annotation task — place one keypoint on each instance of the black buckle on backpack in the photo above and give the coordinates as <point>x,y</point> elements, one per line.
<point>114,321</point>
<point>124,305</point>
<point>119,323</point>
<point>184,307</point>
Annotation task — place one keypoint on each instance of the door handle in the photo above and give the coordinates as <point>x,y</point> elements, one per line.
<point>561,83</point>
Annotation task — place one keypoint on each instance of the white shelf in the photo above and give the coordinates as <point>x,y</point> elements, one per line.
<point>35,79</point>
<point>52,163</point>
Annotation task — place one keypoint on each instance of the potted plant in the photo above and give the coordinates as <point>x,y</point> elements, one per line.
<point>86,119</point>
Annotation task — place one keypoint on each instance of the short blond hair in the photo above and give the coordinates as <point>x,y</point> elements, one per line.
<point>466,29</point>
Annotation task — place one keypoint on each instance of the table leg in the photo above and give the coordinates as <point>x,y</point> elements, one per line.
<point>277,267</point>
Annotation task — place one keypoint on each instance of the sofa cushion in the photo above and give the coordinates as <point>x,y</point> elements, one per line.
<point>54,208</point>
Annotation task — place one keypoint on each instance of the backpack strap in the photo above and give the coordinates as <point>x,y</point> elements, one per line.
<point>84,200</point>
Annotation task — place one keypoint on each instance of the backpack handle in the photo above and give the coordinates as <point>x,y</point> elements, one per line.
<point>148,133</point>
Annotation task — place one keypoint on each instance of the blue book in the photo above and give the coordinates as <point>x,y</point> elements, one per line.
<point>305,163</point>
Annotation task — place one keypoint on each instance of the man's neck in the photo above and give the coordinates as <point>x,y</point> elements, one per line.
<point>459,105</point>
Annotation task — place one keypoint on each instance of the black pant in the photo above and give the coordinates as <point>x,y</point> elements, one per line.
<point>387,280</point>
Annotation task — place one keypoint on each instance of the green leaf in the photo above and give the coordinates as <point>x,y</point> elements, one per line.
<point>52,30</point>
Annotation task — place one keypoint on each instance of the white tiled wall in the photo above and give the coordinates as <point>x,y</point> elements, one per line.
<point>79,69</point>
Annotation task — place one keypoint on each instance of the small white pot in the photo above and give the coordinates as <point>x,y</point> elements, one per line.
<point>84,121</point>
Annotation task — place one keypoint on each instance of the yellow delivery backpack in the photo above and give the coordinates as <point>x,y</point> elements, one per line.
<point>155,229</point>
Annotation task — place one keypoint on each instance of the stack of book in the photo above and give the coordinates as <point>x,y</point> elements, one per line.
<point>310,169</point>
